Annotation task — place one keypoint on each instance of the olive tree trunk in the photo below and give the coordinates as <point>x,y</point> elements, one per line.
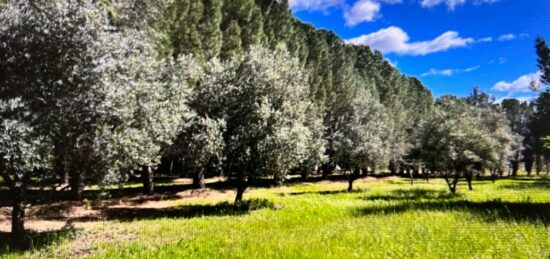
<point>354,175</point>
<point>147,179</point>
<point>18,214</point>
<point>515,168</point>
<point>76,182</point>
<point>17,187</point>
<point>241,188</point>
<point>198,180</point>
<point>452,183</point>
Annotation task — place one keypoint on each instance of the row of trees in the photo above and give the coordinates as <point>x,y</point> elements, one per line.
<point>95,91</point>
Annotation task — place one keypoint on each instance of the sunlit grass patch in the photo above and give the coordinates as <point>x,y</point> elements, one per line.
<point>381,219</point>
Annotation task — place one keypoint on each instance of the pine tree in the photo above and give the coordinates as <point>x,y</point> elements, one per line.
<point>232,45</point>
<point>543,53</point>
<point>211,28</point>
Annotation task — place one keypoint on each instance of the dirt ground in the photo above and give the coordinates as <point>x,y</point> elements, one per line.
<point>56,216</point>
<point>59,215</point>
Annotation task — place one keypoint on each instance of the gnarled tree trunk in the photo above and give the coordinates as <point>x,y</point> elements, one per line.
<point>147,179</point>
<point>241,188</point>
<point>469,180</point>
<point>18,214</point>
<point>529,164</point>
<point>515,168</point>
<point>17,187</point>
<point>198,180</point>
<point>452,184</point>
<point>354,175</point>
<point>76,182</point>
<point>304,175</point>
<point>327,170</point>
<point>350,185</point>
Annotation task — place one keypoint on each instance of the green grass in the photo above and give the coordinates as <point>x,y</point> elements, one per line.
<point>382,219</point>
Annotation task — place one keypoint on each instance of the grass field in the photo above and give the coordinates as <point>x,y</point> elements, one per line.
<point>383,218</point>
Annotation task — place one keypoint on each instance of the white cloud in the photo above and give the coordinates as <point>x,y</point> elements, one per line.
<point>395,40</point>
<point>522,84</point>
<point>507,37</point>
<point>315,5</point>
<point>470,69</point>
<point>449,72</point>
<point>511,36</point>
<point>362,11</point>
<point>390,1</point>
<point>452,4</point>
<point>435,72</point>
<point>486,39</point>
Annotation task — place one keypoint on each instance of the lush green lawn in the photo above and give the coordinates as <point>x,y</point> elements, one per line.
<point>383,219</point>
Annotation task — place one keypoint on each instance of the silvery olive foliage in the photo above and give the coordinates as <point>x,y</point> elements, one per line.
<point>102,95</point>
<point>263,100</point>
<point>361,139</point>
<point>462,138</point>
<point>144,105</point>
<point>199,144</point>
<point>22,148</point>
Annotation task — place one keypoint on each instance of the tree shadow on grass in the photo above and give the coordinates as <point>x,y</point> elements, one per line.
<point>128,214</point>
<point>415,194</point>
<point>35,240</point>
<point>540,184</point>
<point>491,211</point>
<point>331,192</point>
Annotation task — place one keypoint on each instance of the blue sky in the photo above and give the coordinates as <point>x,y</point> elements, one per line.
<point>450,45</point>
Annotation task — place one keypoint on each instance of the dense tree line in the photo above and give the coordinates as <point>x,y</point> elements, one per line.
<point>97,92</point>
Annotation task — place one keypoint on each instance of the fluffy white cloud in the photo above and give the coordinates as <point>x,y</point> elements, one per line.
<point>522,84</point>
<point>362,11</point>
<point>449,72</point>
<point>395,40</point>
<point>315,5</point>
<point>507,37</point>
<point>452,4</point>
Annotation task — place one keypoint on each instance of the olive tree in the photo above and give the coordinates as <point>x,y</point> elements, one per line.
<point>461,139</point>
<point>360,140</point>
<point>263,100</point>
<point>143,109</point>
<point>200,146</point>
<point>103,98</point>
<point>23,151</point>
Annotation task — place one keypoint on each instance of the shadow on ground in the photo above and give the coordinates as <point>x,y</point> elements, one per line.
<point>35,240</point>
<point>528,185</point>
<point>413,195</point>
<point>331,192</point>
<point>165,188</point>
<point>187,211</point>
<point>428,200</point>
<point>163,192</point>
